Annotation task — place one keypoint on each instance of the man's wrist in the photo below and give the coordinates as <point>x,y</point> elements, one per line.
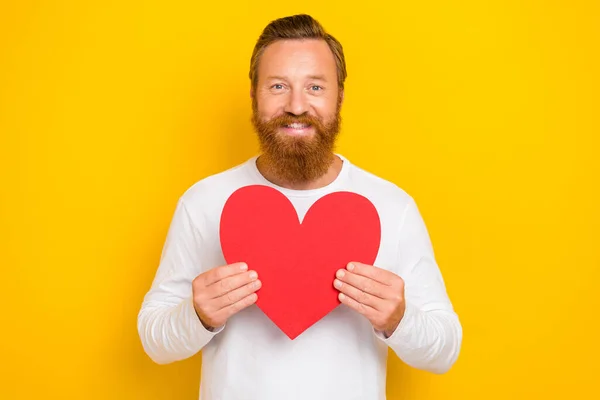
<point>205,325</point>
<point>389,332</point>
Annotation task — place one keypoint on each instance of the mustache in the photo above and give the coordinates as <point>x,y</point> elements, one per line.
<point>288,119</point>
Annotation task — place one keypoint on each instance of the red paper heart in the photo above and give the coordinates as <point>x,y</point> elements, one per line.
<point>296,263</point>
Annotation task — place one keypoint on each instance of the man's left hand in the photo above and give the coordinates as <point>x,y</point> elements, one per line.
<point>376,293</point>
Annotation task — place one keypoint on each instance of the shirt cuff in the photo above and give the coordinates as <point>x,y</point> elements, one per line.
<point>204,334</point>
<point>403,330</point>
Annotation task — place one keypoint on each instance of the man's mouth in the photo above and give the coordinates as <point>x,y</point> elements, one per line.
<point>297,128</point>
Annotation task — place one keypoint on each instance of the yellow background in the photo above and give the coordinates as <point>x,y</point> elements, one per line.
<point>486,112</point>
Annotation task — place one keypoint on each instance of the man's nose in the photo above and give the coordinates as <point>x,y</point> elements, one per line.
<point>297,103</point>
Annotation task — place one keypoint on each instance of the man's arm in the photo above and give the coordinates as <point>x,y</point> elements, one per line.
<point>429,335</point>
<point>168,325</point>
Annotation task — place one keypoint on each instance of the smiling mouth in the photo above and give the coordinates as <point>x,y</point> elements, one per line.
<point>297,125</point>
<point>297,128</point>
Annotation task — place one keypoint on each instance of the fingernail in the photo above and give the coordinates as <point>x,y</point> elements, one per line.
<point>350,267</point>
<point>253,275</point>
<point>257,284</point>
<point>337,284</point>
<point>341,296</point>
<point>243,266</point>
<point>340,273</point>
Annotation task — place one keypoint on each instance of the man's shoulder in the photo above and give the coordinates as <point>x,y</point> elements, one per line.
<point>218,186</point>
<point>377,186</point>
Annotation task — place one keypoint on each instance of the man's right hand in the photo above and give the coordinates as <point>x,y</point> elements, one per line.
<point>223,291</point>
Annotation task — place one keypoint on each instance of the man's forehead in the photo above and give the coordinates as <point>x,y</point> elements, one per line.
<point>314,77</point>
<point>298,46</point>
<point>310,57</point>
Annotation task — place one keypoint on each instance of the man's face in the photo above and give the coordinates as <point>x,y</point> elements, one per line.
<point>296,108</point>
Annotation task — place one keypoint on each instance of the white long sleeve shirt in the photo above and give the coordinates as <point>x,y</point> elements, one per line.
<point>341,356</point>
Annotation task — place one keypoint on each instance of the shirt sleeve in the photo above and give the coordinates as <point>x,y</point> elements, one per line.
<point>168,325</point>
<point>429,336</point>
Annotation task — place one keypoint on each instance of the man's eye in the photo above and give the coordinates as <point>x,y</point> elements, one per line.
<point>277,86</point>
<point>315,87</point>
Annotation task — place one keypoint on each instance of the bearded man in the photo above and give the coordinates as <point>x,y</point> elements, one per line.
<point>200,303</point>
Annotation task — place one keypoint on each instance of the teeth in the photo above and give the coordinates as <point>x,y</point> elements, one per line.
<point>297,126</point>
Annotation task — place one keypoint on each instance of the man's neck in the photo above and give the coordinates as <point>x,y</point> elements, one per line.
<point>332,173</point>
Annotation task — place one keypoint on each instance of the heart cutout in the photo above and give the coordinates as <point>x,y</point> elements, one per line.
<point>296,262</point>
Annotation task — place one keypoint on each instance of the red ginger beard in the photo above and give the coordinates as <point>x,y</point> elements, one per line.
<point>297,159</point>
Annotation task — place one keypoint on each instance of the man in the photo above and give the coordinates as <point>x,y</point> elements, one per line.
<point>199,303</point>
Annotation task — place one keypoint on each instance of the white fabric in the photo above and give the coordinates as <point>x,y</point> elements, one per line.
<point>341,356</point>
